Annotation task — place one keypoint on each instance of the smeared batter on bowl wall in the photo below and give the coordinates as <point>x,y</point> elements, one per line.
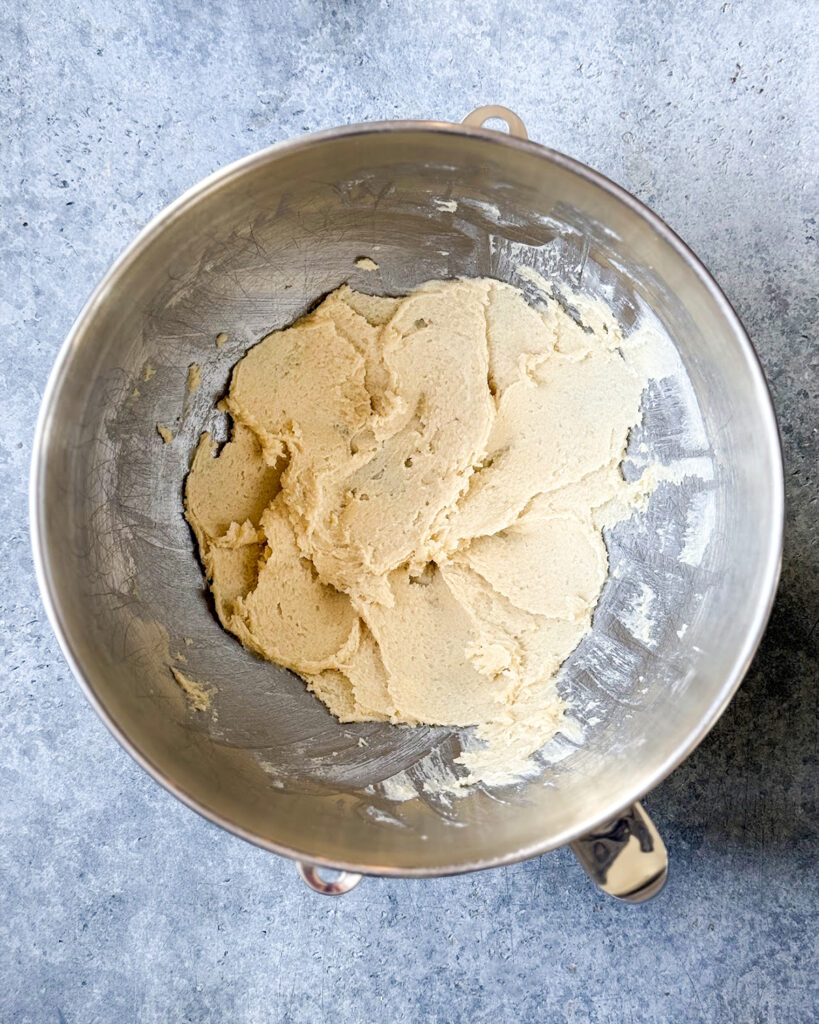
<point>409,512</point>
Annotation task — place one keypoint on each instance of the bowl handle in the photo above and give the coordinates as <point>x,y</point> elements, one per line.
<point>482,114</point>
<point>337,887</point>
<point>626,857</point>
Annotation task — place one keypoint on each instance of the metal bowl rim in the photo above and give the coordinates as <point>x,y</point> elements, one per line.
<point>773,557</point>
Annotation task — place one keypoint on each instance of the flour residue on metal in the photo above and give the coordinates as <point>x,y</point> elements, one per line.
<point>637,616</point>
<point>699,526</point>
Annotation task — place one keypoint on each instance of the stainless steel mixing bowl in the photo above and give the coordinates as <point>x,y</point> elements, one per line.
<point>248,250</point>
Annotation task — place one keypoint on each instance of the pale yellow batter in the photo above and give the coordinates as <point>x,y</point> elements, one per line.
<point>409,511</point>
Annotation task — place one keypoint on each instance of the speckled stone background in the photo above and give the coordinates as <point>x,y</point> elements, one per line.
<point>117,904</point>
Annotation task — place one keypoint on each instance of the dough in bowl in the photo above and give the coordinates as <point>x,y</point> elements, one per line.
<point>409,511</point>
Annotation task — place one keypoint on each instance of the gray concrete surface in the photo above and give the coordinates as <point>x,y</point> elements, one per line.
<point>117,904</point>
